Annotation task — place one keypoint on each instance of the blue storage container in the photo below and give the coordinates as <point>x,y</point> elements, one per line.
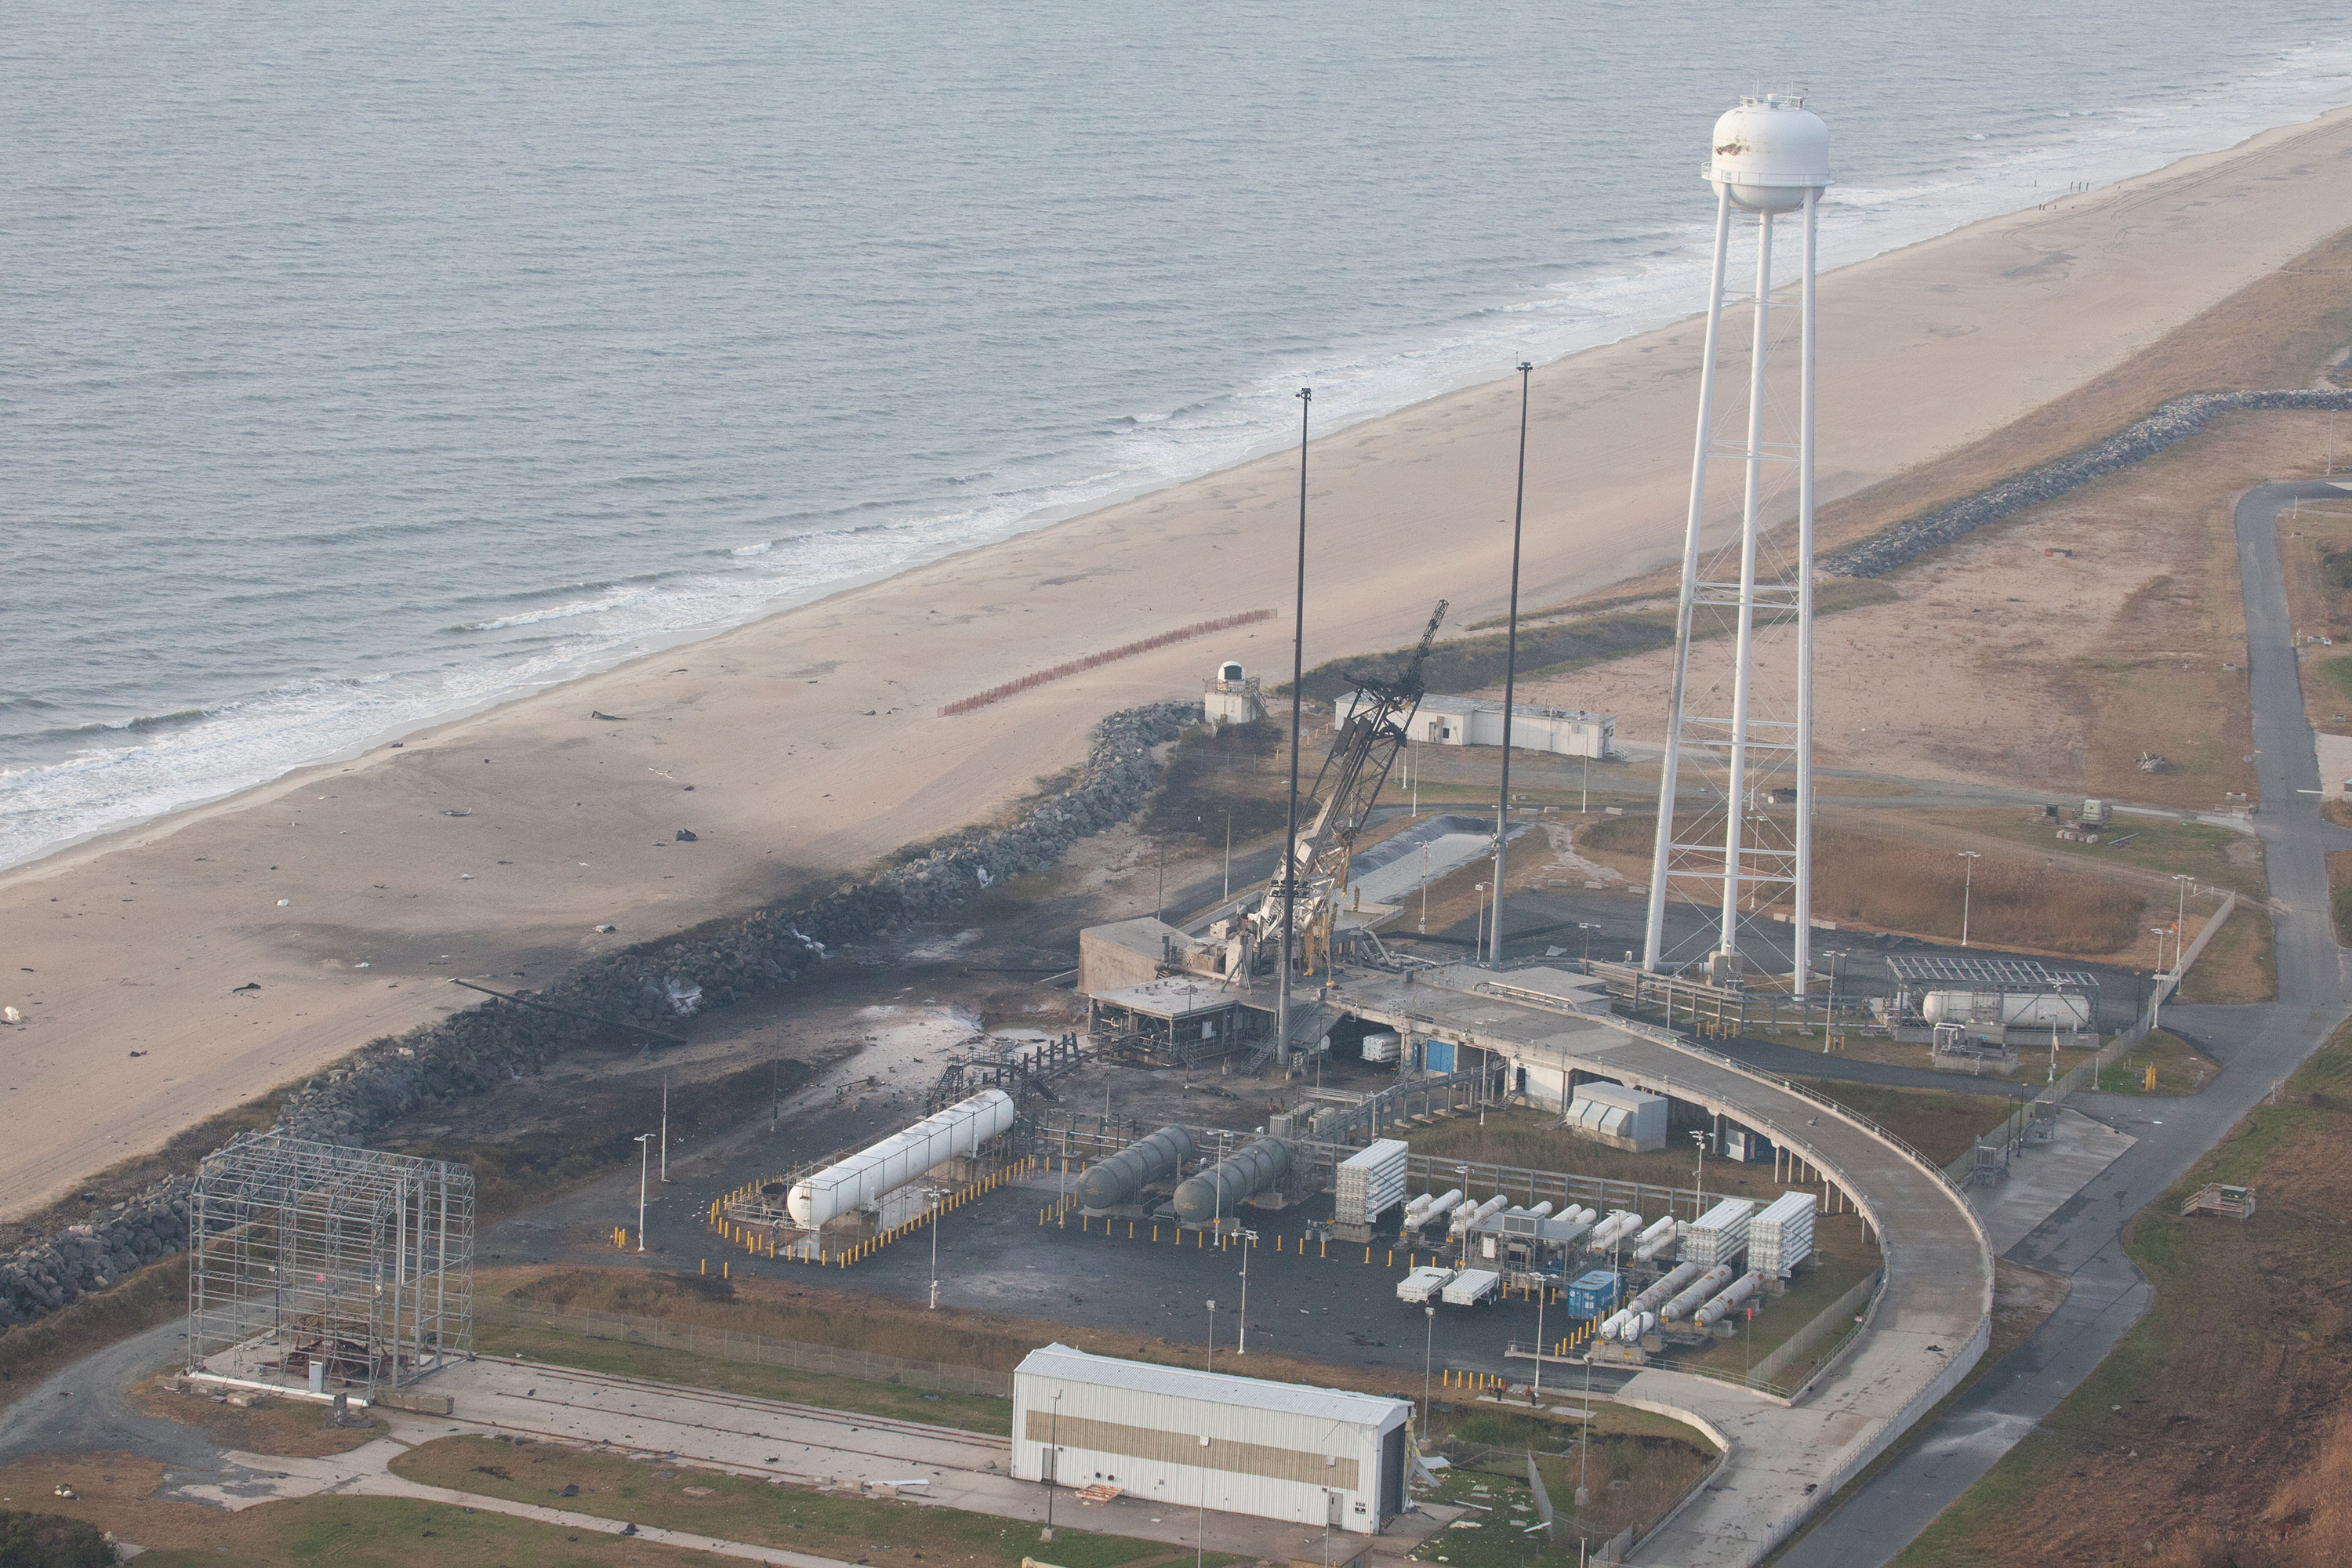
<point>1438,1055</point>
<point>1594,1295</point>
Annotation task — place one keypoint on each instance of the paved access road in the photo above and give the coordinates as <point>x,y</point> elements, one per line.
<point>2084,1240</point>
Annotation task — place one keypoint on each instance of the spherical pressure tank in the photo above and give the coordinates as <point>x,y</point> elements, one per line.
<point>1213,1194</point>
<point>1767,152</point>
<point>1121,1179</point>
<point>899,1158</point>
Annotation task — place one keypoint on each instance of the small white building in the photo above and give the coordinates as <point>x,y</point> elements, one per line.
<point>1476,722</point>
<point>1232,696</point>
<point>1629,1119</point>
<point>1183,1438</point>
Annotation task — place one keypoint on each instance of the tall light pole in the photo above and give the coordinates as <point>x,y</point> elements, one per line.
<point>2180,919</point>
<point>1289,871</point>
<point>1200,1540</point>
<point>1542,1292</point>
<point>1428,1349</point>
<point>2155,980</point>
<point>1210,1364</point>
<point>933,1193</point>
<point>665,1133</point>
<point>1249,1244</point>
<point>645,1143</point>
<point>1698,1181</point>
<point>1510,676</point>
<point>1968,859</point>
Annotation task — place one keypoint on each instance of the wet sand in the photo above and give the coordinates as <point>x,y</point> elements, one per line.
<point>809,741</point>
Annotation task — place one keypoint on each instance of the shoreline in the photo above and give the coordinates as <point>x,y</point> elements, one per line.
<point>802,745</point>
<point>589,665</point>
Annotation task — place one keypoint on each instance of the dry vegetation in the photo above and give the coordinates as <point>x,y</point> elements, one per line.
<point>2016,900</point>
<point>2315,550</point>
<point>1941,1123</point>
<point>1638,1466</point>
<point>2217,1432</point>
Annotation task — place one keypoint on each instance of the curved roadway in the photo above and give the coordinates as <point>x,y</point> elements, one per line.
<point>1932,1317</point>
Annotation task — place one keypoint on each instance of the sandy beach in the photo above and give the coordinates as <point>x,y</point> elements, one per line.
<point>808,743</point>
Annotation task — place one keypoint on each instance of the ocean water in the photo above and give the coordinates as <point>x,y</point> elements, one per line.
<point>361,364</point>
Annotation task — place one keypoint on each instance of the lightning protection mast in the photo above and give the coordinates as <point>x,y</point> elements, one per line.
<point>1743,723</point>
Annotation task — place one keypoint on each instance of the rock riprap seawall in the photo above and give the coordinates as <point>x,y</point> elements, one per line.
<point>468,1052</point>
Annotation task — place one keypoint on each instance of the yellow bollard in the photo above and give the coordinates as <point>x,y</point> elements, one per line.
<point>722,1271</point>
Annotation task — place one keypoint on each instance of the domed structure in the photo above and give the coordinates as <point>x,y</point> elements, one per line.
<point>1767,152</point>
<point>1232,696</point>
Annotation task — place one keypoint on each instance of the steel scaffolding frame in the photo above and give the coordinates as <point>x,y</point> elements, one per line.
<point>303,1253</point>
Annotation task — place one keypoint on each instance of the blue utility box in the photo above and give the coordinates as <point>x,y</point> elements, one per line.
<point>1594,1295</point>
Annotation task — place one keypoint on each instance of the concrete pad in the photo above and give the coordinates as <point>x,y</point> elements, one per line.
<point>2044,1176</point>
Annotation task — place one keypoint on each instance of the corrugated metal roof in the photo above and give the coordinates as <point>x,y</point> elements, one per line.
<point>1214,1388</point>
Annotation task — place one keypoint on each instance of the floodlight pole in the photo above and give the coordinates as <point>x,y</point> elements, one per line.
<point>1428,1348</point>
<point>1510,677</point>
<point>1249,1244</point>
<point>1209,1363</point>
<point>1967,877</point>
<point>1289,872</point>
<point>645,1141</point>
<point>2179,918</point>
<point>664,1131</point>
<point>1200,1540</point>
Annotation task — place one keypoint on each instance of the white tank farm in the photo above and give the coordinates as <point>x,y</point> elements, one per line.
<point>898,1159</point>
<point>1767,152</point>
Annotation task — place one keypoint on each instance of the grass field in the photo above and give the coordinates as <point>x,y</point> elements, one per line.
<point>2216,857</point>
<point>117,1494</point>
<point>972,1412</point>
<point>2179,1069</point>
<point>1941,1123</point>
<point>887,1534</point>
<point>2240,964</point>
<point>1777,1318</point>
<point>2340,892</point>
<point>288,1428</point>
<point>2218,1431</point>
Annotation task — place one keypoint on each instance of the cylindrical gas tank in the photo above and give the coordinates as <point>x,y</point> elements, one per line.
<point>1214,1194</point>
<point>1636,1325</point>
<point>1707,1317</point>
<point>1121,1178</point>
<point>1664,1289</point>
<point>1767,152</point>
<point>1438,1207</point>
<point>1615,1320</point>
<point>1701,1290</point>
<point>899,1158</point>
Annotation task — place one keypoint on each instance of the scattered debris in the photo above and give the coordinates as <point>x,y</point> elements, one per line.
<point>608,718</point>
<point>249,985</point>
<point>686,835</point>
<point>605,930</point>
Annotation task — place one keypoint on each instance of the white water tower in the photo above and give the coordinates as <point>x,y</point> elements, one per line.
<point>1769,158</point>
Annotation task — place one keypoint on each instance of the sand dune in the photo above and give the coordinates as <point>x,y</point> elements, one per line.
<point>810,740</point>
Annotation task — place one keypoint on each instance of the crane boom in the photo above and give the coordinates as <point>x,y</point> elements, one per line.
<point>1363,750</point>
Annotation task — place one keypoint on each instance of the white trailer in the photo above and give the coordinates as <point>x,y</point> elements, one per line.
<point>1471,1286</point>
<point>1416,1288</point>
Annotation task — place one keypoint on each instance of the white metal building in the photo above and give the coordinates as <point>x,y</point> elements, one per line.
<point>1478,722</point>
<point>1232,696</point>
<point>1620,1117</point>
<point>1189,1440</point>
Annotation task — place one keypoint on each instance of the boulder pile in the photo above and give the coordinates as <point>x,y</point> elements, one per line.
<point>2172,423</point>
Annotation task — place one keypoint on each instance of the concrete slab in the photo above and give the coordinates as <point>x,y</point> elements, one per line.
<point>2045,1175</point>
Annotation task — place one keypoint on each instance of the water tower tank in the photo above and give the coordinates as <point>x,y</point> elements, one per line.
<point>1769,152</point>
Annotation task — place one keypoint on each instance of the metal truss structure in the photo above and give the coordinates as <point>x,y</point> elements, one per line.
<point>311,1265</point>
<point>1739,736</point>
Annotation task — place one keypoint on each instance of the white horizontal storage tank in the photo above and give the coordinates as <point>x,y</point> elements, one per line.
<point>899,1158</point>
<point>2011,1010</point>
<point>1382,1047</point>
<point>1718,1235</point>
<point>1179,1439</point>
<point>1780,1237</point>
<point>1370,1184</point>
<point>1621,1118</point>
